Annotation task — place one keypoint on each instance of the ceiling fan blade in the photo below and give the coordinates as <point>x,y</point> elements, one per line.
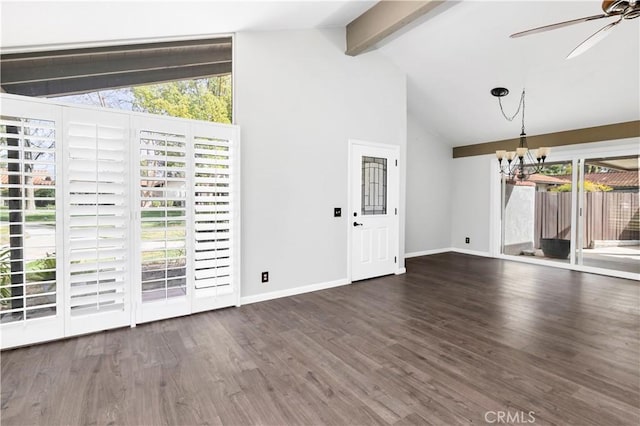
<point>558,25</point>
<point>593,40</point>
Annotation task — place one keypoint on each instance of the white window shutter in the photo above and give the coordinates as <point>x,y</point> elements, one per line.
<point>146,213</point>
<point>30,163</point>
<point>213,214</point>
<point>162,191</point>
<point>97,220</point>
<point>28,166</point>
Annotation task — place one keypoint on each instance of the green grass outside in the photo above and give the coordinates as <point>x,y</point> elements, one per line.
<point>150,230</point>
<point>44,215</point>
<point>49,215</point>
<point>159,214</point>
<point>155,255</point>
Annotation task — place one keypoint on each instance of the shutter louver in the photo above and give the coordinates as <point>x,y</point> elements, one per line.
<point>163,210</point>
<point>28,225</point>
<point>213,215</point>
<point>98,217</point>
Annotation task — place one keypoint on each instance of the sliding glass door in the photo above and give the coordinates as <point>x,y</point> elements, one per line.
<point>587,217</point>
<point>536,214</point>
<point>608,214</point>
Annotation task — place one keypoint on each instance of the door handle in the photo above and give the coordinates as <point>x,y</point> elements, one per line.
<point>357,224</point>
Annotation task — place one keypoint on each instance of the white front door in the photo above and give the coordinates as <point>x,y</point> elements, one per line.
<point>373,217</point>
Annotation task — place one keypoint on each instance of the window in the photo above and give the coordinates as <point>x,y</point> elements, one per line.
<point>547,215</point>
<point>104,210</point>
<point>163,217</point>
<point>374,186</point>
<point>537,216</point>
<point>27,219</point>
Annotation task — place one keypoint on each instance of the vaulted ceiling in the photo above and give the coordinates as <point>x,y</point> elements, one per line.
<point>452,56</point>
<point>455,58</point>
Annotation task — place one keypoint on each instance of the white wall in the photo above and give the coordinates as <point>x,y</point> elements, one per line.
<point>470,203</point>
<point>429,164</point>
<point>299,99</point>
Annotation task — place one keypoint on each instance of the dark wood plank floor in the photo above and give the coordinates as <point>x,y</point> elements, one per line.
<point>456,337</point>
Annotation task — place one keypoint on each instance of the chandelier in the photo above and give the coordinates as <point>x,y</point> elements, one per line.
<point>523,162</point>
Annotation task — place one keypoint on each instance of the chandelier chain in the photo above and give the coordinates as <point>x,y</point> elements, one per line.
<point>520,107</point>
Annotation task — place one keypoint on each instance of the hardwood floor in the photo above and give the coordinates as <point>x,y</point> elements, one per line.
<point>458,339</point>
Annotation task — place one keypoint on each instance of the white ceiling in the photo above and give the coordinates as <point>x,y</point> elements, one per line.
<point>78,22</point>
<point>455,58</point>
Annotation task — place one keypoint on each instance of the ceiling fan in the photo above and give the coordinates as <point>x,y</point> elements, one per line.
<point>625,9</point>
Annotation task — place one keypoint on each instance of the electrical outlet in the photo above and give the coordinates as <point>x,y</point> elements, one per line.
<point>265,277</point>
<point>337,212</point>
<point>467,240</point>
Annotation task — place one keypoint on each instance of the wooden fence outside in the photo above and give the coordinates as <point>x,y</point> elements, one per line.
<point>608,216</point>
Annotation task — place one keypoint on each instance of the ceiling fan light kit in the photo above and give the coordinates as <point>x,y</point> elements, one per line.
<point>528,162</point>
<point>624,9</point>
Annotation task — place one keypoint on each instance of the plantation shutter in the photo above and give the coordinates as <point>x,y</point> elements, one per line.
<point>97,220</point>
<point>163,223</point>
<point>163,198</point>
<point>31,281</point>
<point>212,214</point>
<point>112,218</point>
<point>27,166</point>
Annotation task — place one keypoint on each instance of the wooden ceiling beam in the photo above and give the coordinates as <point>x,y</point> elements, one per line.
<point>116,49</point>
<point>629,129</point>
<point>73,71</point>
<point>72,86</point>
<point>42,69</point>
<point>383,19</point>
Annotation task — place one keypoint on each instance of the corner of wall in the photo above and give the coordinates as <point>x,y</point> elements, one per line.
<point>428,189</point>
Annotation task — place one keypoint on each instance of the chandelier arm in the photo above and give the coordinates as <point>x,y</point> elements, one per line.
<point>531,166</point>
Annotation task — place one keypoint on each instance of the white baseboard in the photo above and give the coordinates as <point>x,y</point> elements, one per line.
<point>427,252</point>
<point>292,291</point>
<point>471,252</point>
<point>337,283</point>
<point>447,249</point>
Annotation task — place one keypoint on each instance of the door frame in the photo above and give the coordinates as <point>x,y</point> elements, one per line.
<point>368,144</point>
